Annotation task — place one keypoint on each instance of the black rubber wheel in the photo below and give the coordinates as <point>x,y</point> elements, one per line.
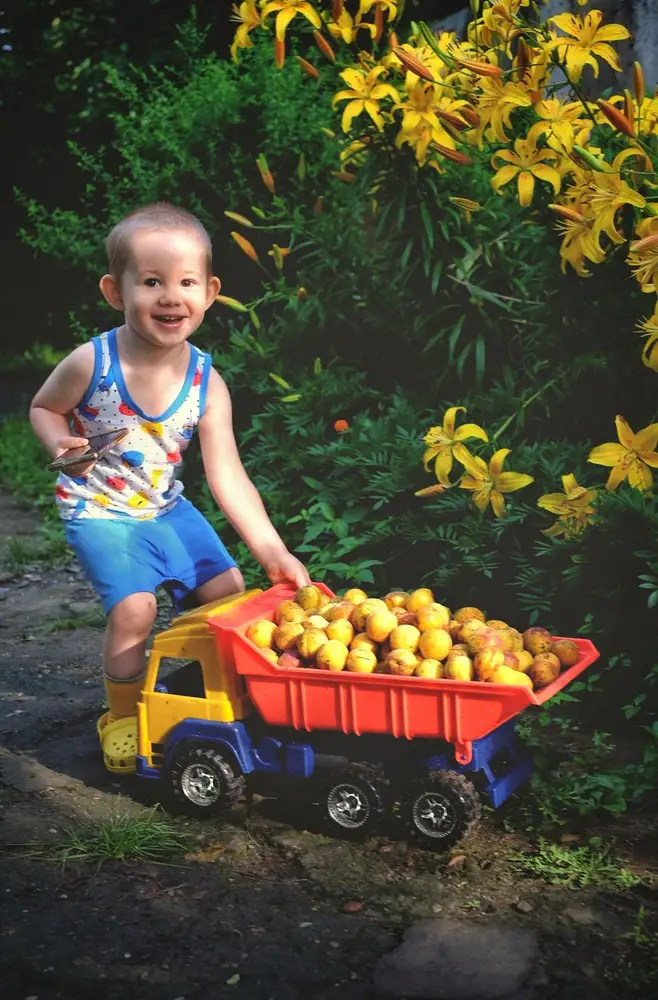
<point>201,781</point>
<point>440,809</point>
<point>354,800</point>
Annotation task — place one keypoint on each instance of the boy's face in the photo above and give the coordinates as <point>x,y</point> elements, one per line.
<point>165,288</point>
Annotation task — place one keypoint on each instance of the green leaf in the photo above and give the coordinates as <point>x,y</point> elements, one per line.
<point>427,223</point>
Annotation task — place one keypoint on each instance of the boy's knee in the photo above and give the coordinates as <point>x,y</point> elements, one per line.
<point>225,584</point>
<point>134,615</point>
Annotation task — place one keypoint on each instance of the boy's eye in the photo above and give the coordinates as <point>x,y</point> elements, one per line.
<point>151,282</point>
<point>188,282</point>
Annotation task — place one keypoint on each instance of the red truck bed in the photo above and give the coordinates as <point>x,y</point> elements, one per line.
<point>411,707</point>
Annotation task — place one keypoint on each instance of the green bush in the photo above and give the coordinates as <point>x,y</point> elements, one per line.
<point>407,307</point>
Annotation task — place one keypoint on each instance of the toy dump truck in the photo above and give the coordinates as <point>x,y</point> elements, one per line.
<point>215,713</point>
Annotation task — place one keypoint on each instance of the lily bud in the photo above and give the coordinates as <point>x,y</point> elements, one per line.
<point>471,116</point>
<point>648,243</point>
<point>393,41</point>
<point>246,246</point>
<point>319,206</point>
<point>227,300</point>
<point>242,219</point>
<point>345,176</point>
<point>453,154</point>
<point>265,173</point>
<point>279,52</point>
<point>629,110</point>
<point>413,65</point>
<point>379,23</point>
<point>567,213</point>
<point>522,57</point>
<point>337,9</point>
<point>616,118</point>
<point>324,46</point>
<point>600,166</point>
<point>451,119</point>
<point>302,294</point>
<point>480,68</point>
<point>638,82</point>
<point>308,68</point>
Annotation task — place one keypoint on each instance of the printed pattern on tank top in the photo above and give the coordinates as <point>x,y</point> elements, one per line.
<point>138,478</point>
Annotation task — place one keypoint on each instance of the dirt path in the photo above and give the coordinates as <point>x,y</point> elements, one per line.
<point>257,908</point>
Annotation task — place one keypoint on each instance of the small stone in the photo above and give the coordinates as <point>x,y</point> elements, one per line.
<point>588,970</point>
<point>353,907</point>
<point>580,913</point>
<point>458,862</point>
<point>435,961</point>
<point>4,593</point>
<point>523,906</point>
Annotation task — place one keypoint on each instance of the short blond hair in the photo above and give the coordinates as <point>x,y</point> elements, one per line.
<point>159,216</point>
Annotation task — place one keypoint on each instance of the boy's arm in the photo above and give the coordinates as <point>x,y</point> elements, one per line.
<point>234,492</point>
<point>62,390</point>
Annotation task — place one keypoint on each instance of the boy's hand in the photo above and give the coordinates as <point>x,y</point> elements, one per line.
<point>73,444</point>
<point>286,568</point>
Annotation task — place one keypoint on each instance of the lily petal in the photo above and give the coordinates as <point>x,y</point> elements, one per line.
<point>443,466</point>
<point>640,476</point>
<point>429,455</point>
<point>473,465</point>
<point>449,419</point>
<point>646,439</point>
<point>498,503</point>
<point>508,482</point>
<point>470,431</point>
<point>624,432</point>
<point>649,458</point>
<point>556,503</point>
<point>497,462</point>
<point>617,475</point>
<point>607,454</point>
<point>481,497</point>
<point>569,483</point>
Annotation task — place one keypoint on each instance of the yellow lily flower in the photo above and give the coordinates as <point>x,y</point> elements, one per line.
<point>389,6</point>
<point>365,94</point>
<point>525,163</point>
<point>442,441</point>
<point>574,507</point>
<point>489,482</point>
<point>587,40</point>
<point>347,27</point>
<point>286,10</point>
<point>495,104</point>
<point>609,194</point>
<point>248,18</point>
<point>643,261</point>
<point>650,349</point>
<point>579,244</point>
<point>560,122</point>
<point>631,458</point>
<point>420,124</point>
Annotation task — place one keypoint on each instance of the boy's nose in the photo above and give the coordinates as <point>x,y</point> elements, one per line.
<point>169,295</point>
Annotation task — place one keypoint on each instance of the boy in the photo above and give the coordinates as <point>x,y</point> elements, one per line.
<point>125,516</point>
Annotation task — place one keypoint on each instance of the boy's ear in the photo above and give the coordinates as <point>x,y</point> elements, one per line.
<point>111,291</point>
<point>214,284</point>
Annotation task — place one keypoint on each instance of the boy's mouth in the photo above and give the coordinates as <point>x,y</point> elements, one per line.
<point>169,319</point>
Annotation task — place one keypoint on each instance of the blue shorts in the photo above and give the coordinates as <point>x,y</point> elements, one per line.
<point>126,556</point>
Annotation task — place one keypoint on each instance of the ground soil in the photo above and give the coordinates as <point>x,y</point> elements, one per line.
<point>263,897</point>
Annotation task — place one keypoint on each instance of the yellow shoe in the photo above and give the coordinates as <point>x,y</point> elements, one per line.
<point>118,739</point>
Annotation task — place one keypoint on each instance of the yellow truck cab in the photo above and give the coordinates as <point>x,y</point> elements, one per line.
<point>187,678</point>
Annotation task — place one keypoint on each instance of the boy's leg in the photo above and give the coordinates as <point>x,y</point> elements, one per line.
<point>226,583</point>
<point>196,558</point>
<point>129,625</point>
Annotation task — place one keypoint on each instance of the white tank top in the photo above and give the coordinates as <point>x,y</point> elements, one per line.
<point>138,477</point>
